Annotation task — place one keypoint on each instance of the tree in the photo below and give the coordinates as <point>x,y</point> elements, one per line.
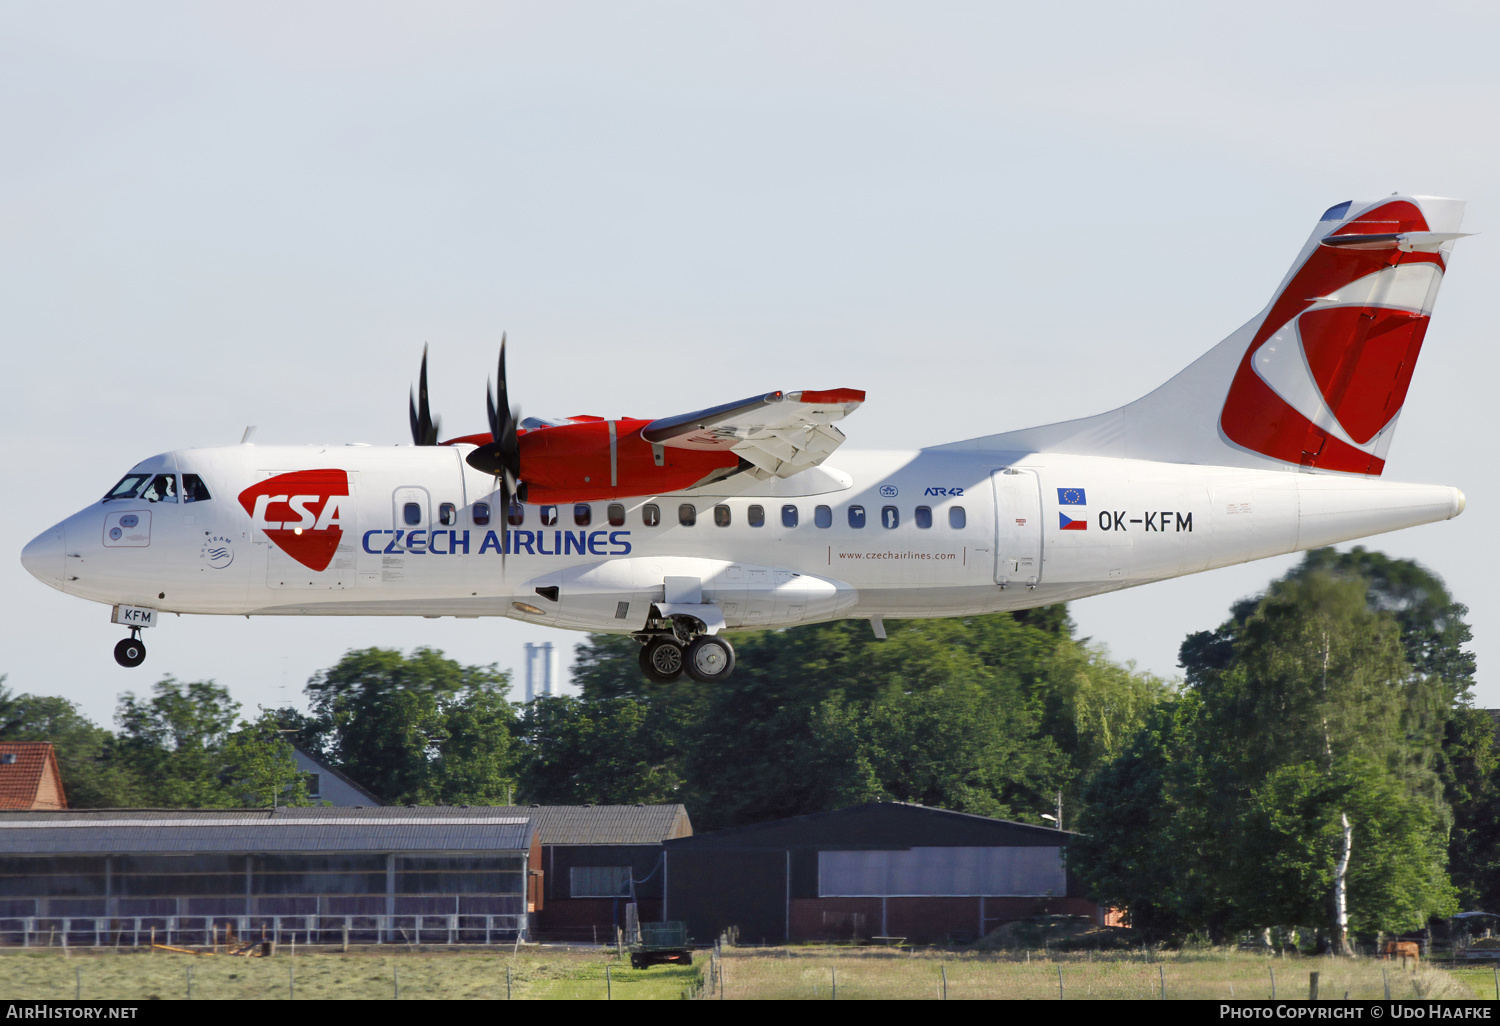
<point>1302,709</point>
<point>93,775</point>
<point>173,742</point>
<point>261,766</point>
<point>418,728</point>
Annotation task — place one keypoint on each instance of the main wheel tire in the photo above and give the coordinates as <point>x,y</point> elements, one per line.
<point>130,652</point>
<point>661,660</point>
<point>709,659</point>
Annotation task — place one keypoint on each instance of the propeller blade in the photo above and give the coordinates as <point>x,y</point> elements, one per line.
<point>424,427</point>
<point>503,453</point>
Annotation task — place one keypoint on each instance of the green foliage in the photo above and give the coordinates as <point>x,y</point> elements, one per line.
<point>986,714</point>
<point>1303,707</point>
<point>173,742</point>
<point>414,729</point>
<point>93,776</point>
<point>262,767</point>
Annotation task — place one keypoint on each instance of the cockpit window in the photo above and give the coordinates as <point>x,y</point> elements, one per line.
<point>163,488</point>
<point>193,489</point>
<point>128,488</point>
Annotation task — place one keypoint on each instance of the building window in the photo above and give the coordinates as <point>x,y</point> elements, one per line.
<point>599,882</point>
<point>314,782</point>
<point>1029,871</point>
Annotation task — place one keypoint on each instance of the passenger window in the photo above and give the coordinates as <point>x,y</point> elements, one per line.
<point>517,514</point>
<point>651,514</point>
<point>583,514</point>
<point>889,517</point>
<point>687,514</point>
<point>411,513</point>
<point>193,489</point>
<point>481,513</point>
<point>129,487</point>
<point>447,514</point>
<point>756,515</point>
<point>957,518</point>
<point>549,516</point>
<point>163,488</point>
<point>823,516</point>
<point>856,516</point>
<point>616,514</point>
<point>789,516</point>
<point>924,517</point>
<point>721,515</point>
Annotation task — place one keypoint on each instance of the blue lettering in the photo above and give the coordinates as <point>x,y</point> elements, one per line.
<point>596,543</point>
<point>555,541</point>
<point>520,540</point>
<point>454,541</point>
<point>491,541</point>
<point>373,552</point>
<point>432,543</point>
<point>413,545</point>
<point>391,549</point>
<point>579,544</point>
<point>614,539</point>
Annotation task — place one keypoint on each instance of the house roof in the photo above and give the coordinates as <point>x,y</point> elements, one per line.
<point>176,831</point>
<point>26,779</point>
<point>881,825</point>
<point>606,824</point>
<point>323,767</point>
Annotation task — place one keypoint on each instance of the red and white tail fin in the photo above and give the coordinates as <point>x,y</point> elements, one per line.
<point>1317,379</point>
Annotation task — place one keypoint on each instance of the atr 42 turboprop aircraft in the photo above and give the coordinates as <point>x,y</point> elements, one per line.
<point>673,530</point>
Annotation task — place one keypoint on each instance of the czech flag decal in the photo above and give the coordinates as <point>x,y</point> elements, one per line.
<point>1071,525</point>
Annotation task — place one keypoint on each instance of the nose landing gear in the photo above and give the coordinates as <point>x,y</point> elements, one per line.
<point>131,651</point>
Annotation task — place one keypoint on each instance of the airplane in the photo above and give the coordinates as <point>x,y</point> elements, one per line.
<point>674,530</point>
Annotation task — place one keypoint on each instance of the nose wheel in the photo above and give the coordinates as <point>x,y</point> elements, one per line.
<point>131,651</point>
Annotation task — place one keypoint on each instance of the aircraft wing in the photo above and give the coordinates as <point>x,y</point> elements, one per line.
<point>779,433</point>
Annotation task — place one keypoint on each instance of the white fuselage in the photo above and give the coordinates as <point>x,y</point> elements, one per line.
<point>972,532</point>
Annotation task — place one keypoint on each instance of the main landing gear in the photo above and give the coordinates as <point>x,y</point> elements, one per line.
<point>131,651</point>
<point>706,658</point>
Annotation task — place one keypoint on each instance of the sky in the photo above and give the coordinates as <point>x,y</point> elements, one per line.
<point>987,215</point>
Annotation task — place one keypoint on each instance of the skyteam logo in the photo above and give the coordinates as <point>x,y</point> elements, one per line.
<point>302,513</point>
<point>217,551</point>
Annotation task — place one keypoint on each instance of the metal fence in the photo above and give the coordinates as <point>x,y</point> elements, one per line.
<point>133,931</point>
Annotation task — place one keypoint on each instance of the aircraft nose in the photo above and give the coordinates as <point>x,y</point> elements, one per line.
<point>43,557</point>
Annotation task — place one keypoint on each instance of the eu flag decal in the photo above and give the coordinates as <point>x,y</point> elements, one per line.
<point>1071,525</point>
<point>1071,497</point>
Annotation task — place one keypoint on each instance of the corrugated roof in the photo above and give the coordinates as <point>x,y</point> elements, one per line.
<point>606,824</point>
<point>162,831</point>
<point>21,780</point>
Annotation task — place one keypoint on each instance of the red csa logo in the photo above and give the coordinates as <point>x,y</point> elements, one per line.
<point>301,512</point>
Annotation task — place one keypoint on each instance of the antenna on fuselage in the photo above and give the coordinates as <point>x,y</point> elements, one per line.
<point>245,438</point>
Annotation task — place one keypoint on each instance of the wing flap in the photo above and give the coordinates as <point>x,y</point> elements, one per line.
<point>778,434</point>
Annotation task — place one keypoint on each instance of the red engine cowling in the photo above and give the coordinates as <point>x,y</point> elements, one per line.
<point>584,461</point>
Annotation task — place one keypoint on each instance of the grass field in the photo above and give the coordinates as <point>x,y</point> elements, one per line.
<point>872,974</point>
<point>791,973</point>
<point>534,973</point>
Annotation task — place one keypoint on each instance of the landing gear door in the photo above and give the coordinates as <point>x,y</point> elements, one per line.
<point>1018,540</point>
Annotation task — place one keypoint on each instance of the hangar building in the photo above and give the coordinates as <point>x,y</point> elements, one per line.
<point>886,869</point>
